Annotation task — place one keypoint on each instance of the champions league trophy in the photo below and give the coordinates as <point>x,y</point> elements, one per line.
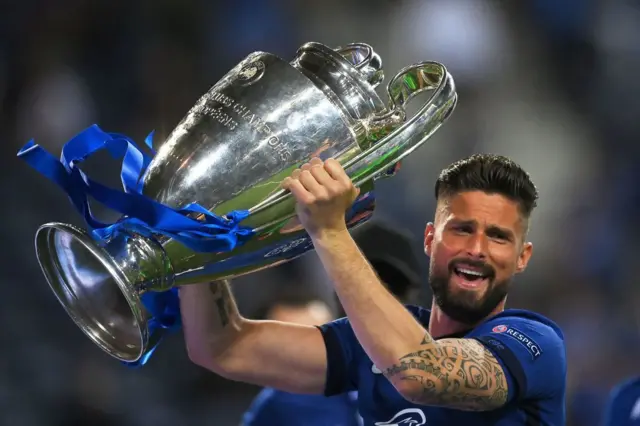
<point>208,205</point>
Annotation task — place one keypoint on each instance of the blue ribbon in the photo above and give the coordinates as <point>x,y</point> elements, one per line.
<point>211,233</point>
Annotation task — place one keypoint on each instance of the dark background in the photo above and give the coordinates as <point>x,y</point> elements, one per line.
<point>551,83</point>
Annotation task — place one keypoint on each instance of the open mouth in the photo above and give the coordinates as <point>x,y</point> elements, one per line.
<point>471,277</point>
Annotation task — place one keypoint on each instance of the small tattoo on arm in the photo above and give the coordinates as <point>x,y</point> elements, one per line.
<point>214,288</point>
<point>222,301</point>
<point>222,311</point>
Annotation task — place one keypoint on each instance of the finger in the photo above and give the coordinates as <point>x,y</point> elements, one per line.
<point>296,174</point>
<point>305,166</point>
<point>286,183</point>
<point>311,184</point>
<point>321,175</point>
<point>299,192</point>
<point>315,161</point>
<point>336,171</point>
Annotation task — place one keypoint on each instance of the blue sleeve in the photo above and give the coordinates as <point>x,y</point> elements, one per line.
<point>262,411</point>
<point>531,353</point>
<point>612,413</point>
<point>623,406</point>
<point>342,368</point>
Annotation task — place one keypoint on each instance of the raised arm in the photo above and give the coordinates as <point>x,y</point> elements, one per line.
<point>284,356</point>
<point>454,373</point>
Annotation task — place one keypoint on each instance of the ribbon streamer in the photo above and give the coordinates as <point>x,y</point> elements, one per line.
<point>210,234</point>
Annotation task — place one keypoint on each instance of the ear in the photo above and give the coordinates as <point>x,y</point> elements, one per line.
<point>523,258</point>
<point>428,238</point>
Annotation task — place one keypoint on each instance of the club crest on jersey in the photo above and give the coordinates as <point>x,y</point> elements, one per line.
<point>408,417</point>
<point>529,344</point>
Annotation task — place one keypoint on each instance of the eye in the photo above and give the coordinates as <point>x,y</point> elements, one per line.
<point>463,229</point>
<point>499,236</point>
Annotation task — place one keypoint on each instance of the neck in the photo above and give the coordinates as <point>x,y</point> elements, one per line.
<point>440,324</point>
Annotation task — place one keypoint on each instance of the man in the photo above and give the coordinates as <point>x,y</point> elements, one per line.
<point>392,257</point>
<point>466,362</point>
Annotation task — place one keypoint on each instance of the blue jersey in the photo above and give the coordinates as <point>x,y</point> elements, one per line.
<point>623,407</point>
<point>276,408</point>
<point>529,347</point>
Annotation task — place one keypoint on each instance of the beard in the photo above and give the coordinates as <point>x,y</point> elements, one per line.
<point>465,306</point>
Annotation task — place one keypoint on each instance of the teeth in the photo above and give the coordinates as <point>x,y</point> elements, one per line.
<point>470,272</point>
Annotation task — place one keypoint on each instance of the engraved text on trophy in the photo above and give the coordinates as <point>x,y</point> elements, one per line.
<point>229,108</point>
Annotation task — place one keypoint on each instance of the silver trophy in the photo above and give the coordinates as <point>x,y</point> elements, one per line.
<point>262,120</point>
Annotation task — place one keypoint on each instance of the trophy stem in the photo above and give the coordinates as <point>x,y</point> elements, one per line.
<point>100,284</point>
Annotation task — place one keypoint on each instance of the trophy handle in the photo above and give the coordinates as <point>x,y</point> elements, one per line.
<point>364,59</point>
<point>405,137</point>
<point>375,161</point>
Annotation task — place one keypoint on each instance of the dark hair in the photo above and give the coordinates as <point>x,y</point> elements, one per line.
<point>493,174</point>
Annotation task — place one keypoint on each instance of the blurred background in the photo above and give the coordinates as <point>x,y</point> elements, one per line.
<point>552,84</point>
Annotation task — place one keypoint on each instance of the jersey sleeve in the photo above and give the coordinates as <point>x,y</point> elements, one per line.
<point>613,413</point>
<point>342,364</point>
<point>623,405</point>
<point>263,411</point>
<point>531,353</point>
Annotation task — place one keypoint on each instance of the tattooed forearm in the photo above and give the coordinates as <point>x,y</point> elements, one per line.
<point>456,373</point>
<point>223,300</point>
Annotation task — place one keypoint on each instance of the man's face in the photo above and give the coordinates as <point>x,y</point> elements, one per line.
<point>476,246</point>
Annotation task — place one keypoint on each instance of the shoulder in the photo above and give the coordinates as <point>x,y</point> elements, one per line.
<point>623,404</point>
<point>521,324</point>
<point>626,386</point>
<point>627,392</point>
<point>529,331</point>
<point>526,316</point>
<point>531,347</point>
<point>261,408</point>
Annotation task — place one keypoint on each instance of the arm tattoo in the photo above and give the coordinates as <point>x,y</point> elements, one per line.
<point>454,373</point>
<point>222,299</point>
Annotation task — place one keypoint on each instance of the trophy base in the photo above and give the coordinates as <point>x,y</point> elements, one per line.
<point>93,290</point>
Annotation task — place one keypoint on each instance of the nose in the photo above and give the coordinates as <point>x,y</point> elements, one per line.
<point>476,246</point>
